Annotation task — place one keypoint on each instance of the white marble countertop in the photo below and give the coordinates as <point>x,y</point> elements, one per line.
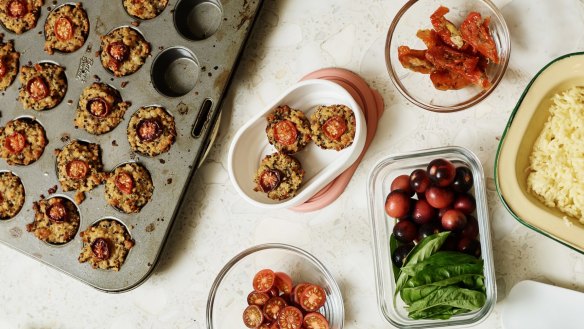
<point>294,37</point>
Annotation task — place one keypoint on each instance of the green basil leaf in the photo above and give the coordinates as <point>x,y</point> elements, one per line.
<point>421,251</point>
<point>437,313</point>
<point>434,274</point>
<point>412,294</point>
<point>450,296</point>
<point>441,258</point>
<point>393,244</point>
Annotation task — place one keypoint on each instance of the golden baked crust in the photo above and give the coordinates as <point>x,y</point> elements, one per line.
<point>22,24</point>
<point>158,145</point>
<point>53,75</point>
<point>9,60</point>
<point>118,240</point>
<point>90,154</point>
<point>297,117</point>
<point>140,193</point>
<point>100,125</point>
<point>77,17</point>
<point>53,231</point>
<point>34,146</point>
<point>290,175</point>
<point>145,9</point>
<point>11,195</point>
<point>322,115</point>
<point>138,49</point>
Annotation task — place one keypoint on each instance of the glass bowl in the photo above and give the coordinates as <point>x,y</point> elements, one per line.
<point>417,87</point>
<point>227,298</point>
<point>379,184</point>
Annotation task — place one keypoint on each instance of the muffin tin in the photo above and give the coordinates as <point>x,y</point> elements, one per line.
<point>195,46</point>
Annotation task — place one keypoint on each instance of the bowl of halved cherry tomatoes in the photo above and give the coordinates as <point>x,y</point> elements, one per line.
<point>275,286</point>
<point>447,55</point>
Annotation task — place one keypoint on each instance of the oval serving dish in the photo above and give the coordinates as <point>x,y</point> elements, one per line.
<point>250,145</point>
<point>524,126</point>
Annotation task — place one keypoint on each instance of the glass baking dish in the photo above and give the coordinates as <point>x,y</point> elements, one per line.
<point>379,184</point>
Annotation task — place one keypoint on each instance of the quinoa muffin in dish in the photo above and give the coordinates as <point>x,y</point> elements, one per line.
<point>43,86</point>
<point>79,167</point>
<point>20,16</point>
<point>56,220</point>
<point>129,187</point>
<point>22,141</point>
<point>123,51</point>
<point>100,109</point>
<point>11,195</point>
<point>279,176</point>
<point>333,127</point>
<point>105,245</point>
<point>9,63</point>
<point>151,131</point>
<point>288,129</point>
<point>145,9</point>
<point>66,28</point>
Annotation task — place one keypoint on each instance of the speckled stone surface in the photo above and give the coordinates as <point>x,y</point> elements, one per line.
<point>293,38</point>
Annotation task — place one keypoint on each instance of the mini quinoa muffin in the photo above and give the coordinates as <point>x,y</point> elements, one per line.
<point>105,245</point>
<point>288,129</point>
<point>9,63</point>
<point>100,109</point>
<point>66,28</point>
<point>151,131</point>
<point>123,51</point>
<point>22,141</point>
<point>79,167</point>
<point>56,220</point>
<point>11,195</point>
<point>129,187</point>
<point>20,16</point>
<point>279,175</point>
<point>333,127</point>
<point>145,9</point>
<point>43,86</point>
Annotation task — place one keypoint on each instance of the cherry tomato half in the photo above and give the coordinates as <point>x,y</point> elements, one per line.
<point>100,249</point>
<point>124,182</point>
<point>312,298</point>
<point>77,169</point>
<point>459,62</point>
<point>270,179</point>
<point>98,107</point>
<point>264,280</point>
<point>149,130</point>
<point>17,8</point>
<point>15,143</point>
<point>315,320</point>
<point>37,88</point>
<point>290,317</point>
<point>273,306</point>
<point>297,292</point>
<point>57,212</point>
<point>252,316</point>
<point>285,132</point>
<point>283,282</point>
<point>334,127</point>
<point>63,29</point>
<point>257,298</point>
<point>118,51</point>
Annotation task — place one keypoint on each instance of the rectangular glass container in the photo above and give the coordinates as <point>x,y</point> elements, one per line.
<point>379,182</point>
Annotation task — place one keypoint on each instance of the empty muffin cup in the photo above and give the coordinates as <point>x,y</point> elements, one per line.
<point>175,71</point>
<point>197,19</point>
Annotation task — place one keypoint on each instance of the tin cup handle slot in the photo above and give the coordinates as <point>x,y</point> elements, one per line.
<point>202,118</point>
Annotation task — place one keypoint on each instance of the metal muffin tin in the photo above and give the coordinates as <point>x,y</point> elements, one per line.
<point>195,46</point>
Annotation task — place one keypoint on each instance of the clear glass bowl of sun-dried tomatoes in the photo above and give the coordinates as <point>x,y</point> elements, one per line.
<point>275,286</point>
<point>447,55</point>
